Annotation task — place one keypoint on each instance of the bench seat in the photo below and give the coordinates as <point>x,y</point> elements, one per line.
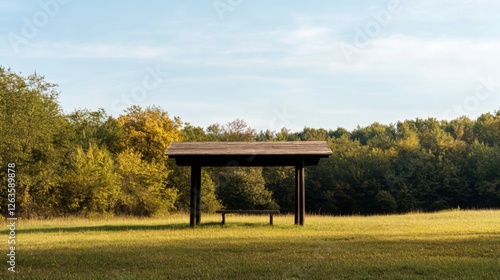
<point>249,212</point>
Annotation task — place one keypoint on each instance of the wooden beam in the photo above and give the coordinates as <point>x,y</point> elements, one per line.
<point>192,206</point>
<point>198,194</point>
<point>297,194</point>
<point>302,195</point>
<point>244,160</point>
<point>248,153</point>
<point>315,148</point>
<point>195,210</point>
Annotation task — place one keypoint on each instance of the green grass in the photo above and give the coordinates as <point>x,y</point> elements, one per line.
<point>444,245</point>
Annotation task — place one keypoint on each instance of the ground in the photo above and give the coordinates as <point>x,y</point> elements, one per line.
<point>446,245</point>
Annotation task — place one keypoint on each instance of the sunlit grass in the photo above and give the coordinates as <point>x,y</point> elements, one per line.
<point>450,244</point>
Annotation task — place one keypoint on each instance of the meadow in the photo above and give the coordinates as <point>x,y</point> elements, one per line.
<point>445,245</point>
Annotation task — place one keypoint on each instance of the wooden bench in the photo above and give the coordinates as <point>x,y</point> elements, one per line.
<point>250,212</point>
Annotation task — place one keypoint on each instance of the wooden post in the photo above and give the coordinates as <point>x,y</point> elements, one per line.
<point>192,208</point>
<point>297,194</point>
<point>302,194</point>
<point>198,195</point>
<point>271,222</point>
<point>195,209</point>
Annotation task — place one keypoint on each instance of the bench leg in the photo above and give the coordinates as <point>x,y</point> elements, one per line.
<point>271,222</point>
<point>223,219</point>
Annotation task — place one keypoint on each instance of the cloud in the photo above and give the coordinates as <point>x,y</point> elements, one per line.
<point>71,50</point>
<point>269,56</point>
<point>449,59</point>
<point>450,10</point>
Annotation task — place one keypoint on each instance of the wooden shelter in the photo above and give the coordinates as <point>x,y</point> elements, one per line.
<point>201,154</point>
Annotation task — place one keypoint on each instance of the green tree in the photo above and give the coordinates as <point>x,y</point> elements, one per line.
<point>385,203</point>
<point>143,188</point>
<point>267,135</point>
<point>482,176</point>
<point>339,133</point>
<point>32,128</point>
<point>286,135</point>
<point>313,134</point>
<point>376,135</point>
<point>281,182</point>
<point>235,131</point>
<point>487,129</point>
<point>95,128</point>
<point>180,179</point>
<point>462,129</point>
<point>91,183</point>
<point>192,133</point>
<point>244,188</point>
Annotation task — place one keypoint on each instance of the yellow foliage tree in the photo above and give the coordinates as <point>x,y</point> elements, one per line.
<point>149,131</point>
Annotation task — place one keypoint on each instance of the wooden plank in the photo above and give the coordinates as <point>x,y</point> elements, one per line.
<point>248,153</point>
<point>254,212</point>
<point>248,148</point>
<point>271,214</point>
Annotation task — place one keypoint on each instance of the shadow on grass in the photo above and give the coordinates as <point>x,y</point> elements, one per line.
<point>255,257</point>
<point>118,228</point>
<point>106,228</point>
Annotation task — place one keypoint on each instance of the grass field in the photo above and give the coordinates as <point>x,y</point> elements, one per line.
<point>444,245</point>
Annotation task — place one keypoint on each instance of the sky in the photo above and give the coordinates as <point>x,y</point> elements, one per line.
<point>274,64</point>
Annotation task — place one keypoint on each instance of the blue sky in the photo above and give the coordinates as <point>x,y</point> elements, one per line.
<point>276,63</point>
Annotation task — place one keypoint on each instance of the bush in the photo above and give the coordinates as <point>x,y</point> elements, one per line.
<point>244,188</point>
<point>385,203</point>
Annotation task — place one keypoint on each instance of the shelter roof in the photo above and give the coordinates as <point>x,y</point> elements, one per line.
<point>248,153</point>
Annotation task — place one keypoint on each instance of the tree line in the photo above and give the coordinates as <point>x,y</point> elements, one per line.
<point>88,162</point>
